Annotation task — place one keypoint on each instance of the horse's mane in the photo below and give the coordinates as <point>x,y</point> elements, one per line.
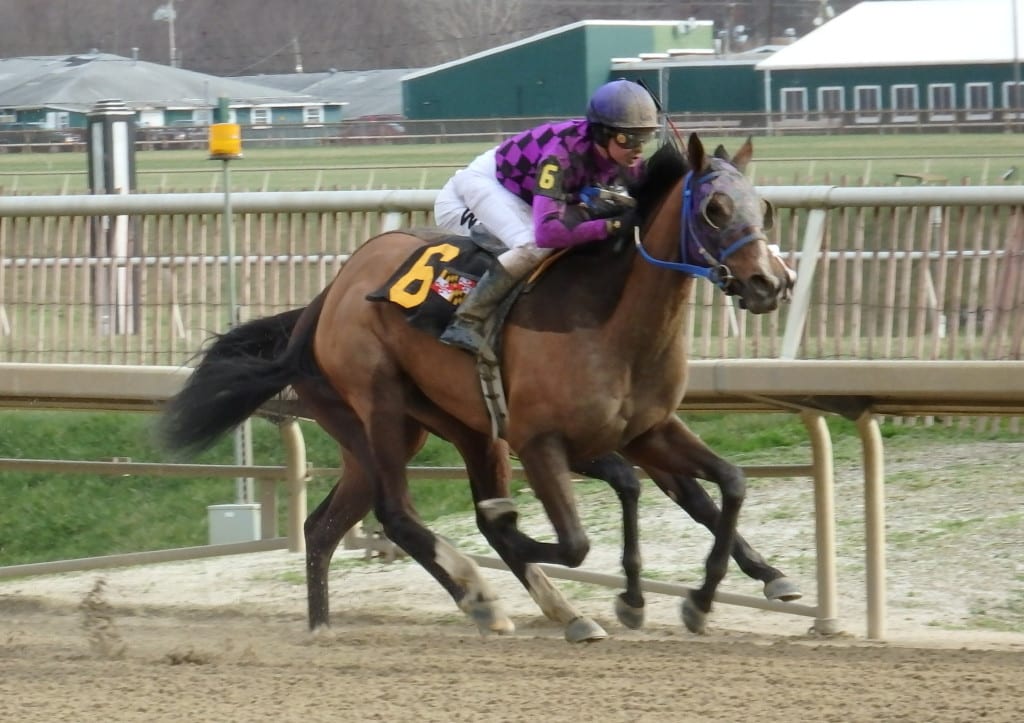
<point>664,169</point>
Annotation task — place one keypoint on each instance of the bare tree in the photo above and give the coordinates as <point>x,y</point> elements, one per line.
<point>234,37</point>
<point>462,27</point>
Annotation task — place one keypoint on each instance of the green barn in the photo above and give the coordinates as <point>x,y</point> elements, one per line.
<point>906,62</point>
<point>696,83</point>
<point>547,75</point>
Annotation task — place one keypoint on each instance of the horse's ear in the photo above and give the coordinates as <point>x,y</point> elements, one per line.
<point>695,153</point>
<point>721,153</point>
<point>743,155</point>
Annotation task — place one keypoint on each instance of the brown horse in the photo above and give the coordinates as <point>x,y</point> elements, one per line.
<point>593,362</point>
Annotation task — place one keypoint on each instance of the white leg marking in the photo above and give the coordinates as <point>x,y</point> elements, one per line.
<point>480,602</point>
<point>463,570</point>
<point>551,602</point>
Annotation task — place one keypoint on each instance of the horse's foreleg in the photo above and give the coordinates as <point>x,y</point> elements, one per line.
<point>690,495</point>
<point>547,470</point>
<point>456,572</point>
<point>619,474</point>
<point>487,468</point>
<point>672,447</point>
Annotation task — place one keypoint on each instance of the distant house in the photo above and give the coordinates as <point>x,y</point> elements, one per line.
<point>361,93</point>
<point>56,92</point>
<point>911,61</point>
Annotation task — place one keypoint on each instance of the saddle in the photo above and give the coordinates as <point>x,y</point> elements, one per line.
<point>432,282</point>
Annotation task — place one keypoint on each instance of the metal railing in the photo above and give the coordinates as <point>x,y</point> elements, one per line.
<point>885,273</point>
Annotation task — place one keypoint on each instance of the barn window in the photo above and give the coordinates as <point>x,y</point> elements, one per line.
<point>202,117</point>
<point>942,102</point>
<point>904,103</point>
<point>979,101</point>
<point>830,101</point>
<point>868,103</point>
<point>1013,100</point>
<point>794,103</point>
<point>313,114</point>
<point>260,117</point>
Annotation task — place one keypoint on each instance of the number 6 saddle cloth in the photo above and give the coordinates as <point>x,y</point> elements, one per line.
<point>436,277</point>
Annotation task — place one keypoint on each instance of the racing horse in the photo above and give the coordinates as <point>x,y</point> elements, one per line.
<point>593,361</point>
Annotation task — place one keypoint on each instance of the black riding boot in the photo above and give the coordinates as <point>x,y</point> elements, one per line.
<point>467,328</point>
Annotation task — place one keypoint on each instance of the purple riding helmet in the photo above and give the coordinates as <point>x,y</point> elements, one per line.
<point>622,110</point>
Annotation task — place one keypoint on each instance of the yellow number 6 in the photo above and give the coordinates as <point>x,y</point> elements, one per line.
<point>546,179</point>
<point>404,292</point>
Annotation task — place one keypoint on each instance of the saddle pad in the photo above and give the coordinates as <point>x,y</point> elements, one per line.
<point>435,279</point>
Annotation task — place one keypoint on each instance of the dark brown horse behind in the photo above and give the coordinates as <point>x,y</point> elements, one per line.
<point>593,361</point>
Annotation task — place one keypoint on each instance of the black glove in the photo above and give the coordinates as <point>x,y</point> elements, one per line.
<point>621,227</point>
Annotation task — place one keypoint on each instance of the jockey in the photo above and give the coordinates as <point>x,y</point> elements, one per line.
<point>529,192</point>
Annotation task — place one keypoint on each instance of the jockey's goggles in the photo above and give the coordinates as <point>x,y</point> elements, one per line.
<point>632,140</point>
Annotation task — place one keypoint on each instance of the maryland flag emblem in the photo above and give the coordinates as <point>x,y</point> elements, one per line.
<point>452,286</point>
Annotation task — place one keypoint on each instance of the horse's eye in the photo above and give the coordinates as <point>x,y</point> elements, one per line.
<point>768,211</point>
<point>717,210</point>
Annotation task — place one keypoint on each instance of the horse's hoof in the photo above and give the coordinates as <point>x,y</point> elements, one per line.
<point>694,618</point>
<point>782,588</point>
<point>497,507</point>
<point>490,619</point>
<point>498,626</point>
<point>584,630</point>
<point>630,616</point>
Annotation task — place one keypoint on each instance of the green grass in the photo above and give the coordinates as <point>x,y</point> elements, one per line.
<point>867,158</point>
<point>50,517</point>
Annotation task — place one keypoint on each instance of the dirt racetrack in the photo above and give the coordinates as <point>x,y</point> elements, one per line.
<point>190,665</point>
<point>111,656</point>
<point>225,639</point>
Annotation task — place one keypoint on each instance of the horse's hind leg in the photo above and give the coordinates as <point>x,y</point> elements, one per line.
<point>688,494</point>
<point>619,474</point>
<point>347,503</point>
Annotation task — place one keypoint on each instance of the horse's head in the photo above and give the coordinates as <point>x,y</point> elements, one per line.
<point>723,228</point>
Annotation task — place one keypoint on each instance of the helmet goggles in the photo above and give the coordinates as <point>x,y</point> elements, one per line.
<point>631,139</point>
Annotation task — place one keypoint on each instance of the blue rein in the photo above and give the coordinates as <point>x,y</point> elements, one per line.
<point>713,269</point>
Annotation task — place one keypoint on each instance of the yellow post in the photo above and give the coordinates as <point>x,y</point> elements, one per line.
<point>225,141</point>
<point>225,144</point>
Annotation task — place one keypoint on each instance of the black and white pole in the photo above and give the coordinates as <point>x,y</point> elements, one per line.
<point>111,157</point>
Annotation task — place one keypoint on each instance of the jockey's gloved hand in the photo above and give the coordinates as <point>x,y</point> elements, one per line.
<point>605,202</point>
<point>620,227</point>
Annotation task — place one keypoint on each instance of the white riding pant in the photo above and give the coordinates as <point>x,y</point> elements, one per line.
<point>474,195</point>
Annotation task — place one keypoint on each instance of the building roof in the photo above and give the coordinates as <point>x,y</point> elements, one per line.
<point>365,92</point>
<point>909,32</point>
<point>551,33</point>
<point>77,82</point>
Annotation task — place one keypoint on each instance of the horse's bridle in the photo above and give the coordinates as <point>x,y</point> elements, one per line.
<point>713,268</point>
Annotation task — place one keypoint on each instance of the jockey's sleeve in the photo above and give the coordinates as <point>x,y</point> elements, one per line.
<point>552,230</point>
<point>557,183</point>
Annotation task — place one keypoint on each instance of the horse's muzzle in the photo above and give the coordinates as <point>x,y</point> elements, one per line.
<point>762,293</point>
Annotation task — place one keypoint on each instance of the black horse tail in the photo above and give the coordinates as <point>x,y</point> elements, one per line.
<point>238,373</point>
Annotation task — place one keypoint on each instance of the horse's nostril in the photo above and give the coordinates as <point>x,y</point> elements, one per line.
<point>763,285</point>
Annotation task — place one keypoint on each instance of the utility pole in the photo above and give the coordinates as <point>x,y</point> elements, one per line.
<point>166,13</point>
<point>1016,66</point>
